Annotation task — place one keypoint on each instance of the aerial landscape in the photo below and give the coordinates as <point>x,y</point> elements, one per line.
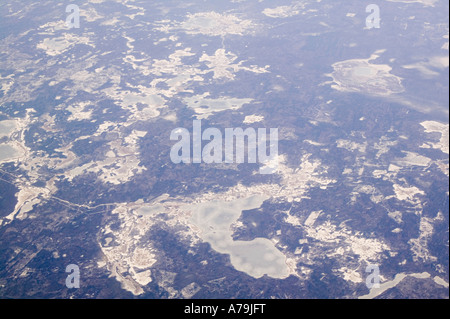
<point>236,149</point>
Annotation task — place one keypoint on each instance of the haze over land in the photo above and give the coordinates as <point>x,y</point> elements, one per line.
<point>362,170</point>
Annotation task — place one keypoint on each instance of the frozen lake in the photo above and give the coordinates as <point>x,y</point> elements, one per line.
<point>257,257</point>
